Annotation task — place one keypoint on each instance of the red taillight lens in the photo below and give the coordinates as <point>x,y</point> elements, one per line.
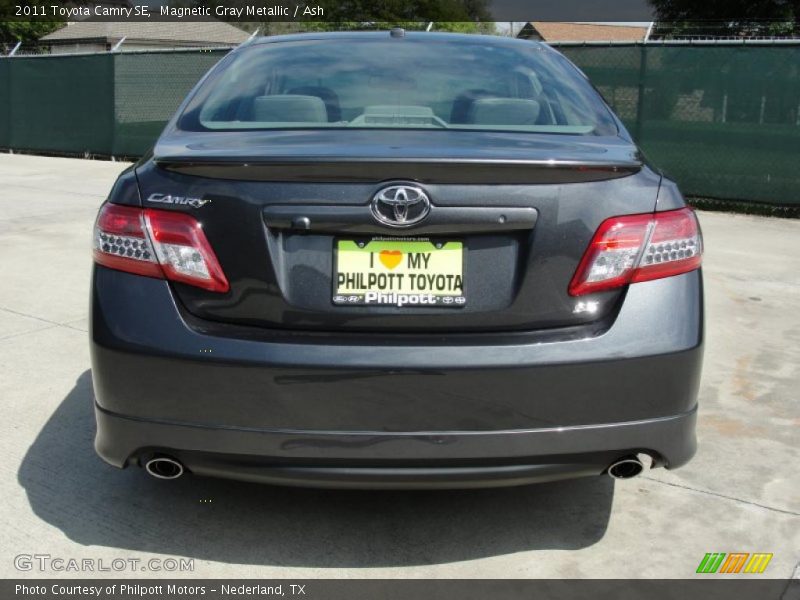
<point>157,243</point>
<point>120,241</point>
<point>183,250</point>
<point>639,248</point>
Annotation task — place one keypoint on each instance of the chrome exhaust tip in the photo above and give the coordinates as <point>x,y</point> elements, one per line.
<point>626,468</point>
<point>164,467</point>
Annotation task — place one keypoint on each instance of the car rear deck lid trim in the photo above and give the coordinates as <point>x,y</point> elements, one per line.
<point>369,170</point>
<point>358,219</point>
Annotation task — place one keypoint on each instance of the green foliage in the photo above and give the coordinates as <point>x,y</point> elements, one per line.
<point>727,18</point>
<point>451,26</point>
<point>403,11</point>
<point>464,16</point>
<point>26,32</point>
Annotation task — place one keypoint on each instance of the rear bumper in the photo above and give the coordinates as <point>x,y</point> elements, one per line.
<point>397,411</point>
<point>395,460</point>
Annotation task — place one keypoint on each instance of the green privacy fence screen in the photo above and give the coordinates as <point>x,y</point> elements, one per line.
<point>722,119</point>
<point>148,88</point>
<point>112,104</point>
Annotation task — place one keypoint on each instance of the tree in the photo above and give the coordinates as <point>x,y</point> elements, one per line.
<point>406,11</point>
<point>452,26</point>
<point>26,32</point>
<point>727,18</point>
<point>466,16</point>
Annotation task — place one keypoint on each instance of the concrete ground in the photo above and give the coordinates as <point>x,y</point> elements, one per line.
<point>741,493</point>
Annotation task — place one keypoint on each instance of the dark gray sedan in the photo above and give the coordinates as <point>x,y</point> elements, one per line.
<point>396,260</point>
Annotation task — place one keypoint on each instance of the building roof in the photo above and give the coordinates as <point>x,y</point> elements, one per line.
<point>583,32</point>
<point>206,32</point>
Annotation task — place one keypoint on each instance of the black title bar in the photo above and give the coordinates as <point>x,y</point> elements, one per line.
<point>705,587</point>
<point>367,11</point>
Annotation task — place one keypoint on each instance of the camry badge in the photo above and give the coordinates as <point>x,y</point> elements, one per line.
<point>168,199</point>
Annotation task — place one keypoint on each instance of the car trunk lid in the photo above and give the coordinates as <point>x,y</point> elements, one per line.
<point>276,205</point>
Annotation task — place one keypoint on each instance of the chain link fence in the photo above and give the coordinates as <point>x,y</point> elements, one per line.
<point>108,104</point>
<point>722,119</point>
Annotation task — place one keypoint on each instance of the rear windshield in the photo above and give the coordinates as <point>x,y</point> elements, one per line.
<point>398,83</point>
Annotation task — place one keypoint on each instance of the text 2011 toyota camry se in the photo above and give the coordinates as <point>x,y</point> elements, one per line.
<point>395,259</point>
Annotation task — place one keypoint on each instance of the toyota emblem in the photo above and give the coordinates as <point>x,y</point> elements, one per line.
<point>400,205</point>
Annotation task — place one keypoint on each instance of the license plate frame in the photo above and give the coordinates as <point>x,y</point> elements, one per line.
<point>400,293</point>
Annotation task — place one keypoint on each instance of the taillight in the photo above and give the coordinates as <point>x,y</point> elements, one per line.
<point>120,241</point>
<point>157,243</point>
<point>639,248</point>
<point>183,250</point>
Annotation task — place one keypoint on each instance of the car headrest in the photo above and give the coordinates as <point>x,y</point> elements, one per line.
<point>290,108</point>
<point>327,95</point>
<point>462,104</point>
<point>503,111</point>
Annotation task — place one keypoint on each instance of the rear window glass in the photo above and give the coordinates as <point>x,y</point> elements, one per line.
<point>406,83</point>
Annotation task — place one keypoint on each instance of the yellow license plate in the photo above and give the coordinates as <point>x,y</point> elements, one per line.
<point>402,272</point>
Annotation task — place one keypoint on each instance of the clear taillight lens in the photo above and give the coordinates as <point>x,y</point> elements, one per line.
<point>639,248</point>
<point>675,246</point>
<point>157,243</point>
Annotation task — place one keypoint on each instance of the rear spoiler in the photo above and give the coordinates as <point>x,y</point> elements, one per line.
<point>427,170</point>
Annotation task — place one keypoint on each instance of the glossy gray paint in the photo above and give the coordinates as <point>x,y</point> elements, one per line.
<point>272,382</point>
<point>397,460</point>
<point>563,403</point>
<point>516,275</point>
